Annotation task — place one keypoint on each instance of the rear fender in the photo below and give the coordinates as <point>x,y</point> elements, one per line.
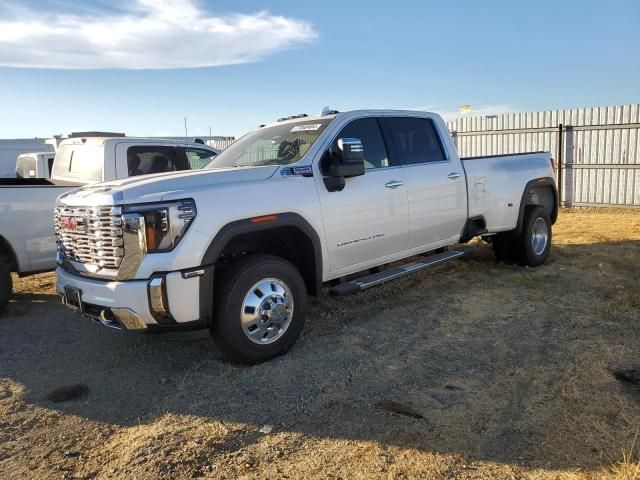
<point>545,183</point>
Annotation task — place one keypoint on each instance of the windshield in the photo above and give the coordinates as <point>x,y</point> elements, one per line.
<point>277,145</point>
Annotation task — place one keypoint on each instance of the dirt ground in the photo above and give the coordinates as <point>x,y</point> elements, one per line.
<point>471,370</point>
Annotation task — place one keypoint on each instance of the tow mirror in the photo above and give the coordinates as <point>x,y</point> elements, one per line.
<point>350,164</point>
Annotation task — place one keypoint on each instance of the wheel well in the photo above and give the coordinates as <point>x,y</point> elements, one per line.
<point>6,255</point>
<point>288,242</point>
<point>473,227</point>
<point>544,196</point>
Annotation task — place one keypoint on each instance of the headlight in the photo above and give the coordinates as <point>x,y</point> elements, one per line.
<point>164,223</point>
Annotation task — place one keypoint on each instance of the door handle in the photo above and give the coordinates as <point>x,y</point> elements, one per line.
<point>454,175</point>
<point>394,184</point>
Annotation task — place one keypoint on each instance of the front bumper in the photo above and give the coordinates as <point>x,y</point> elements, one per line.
<point>163,302</point>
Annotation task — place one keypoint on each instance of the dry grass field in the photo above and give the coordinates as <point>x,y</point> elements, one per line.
<point>471,370</point>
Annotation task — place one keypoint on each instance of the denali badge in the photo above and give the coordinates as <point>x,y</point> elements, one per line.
<point>370,237</point>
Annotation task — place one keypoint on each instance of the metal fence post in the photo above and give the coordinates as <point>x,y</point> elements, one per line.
<point>560,163</point>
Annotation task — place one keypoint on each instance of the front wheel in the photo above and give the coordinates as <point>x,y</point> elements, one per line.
<point>535,240</point>
<point>6,285</point>
<point>260,307</point>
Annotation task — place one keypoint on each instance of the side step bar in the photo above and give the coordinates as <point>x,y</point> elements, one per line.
<point>368,281</point>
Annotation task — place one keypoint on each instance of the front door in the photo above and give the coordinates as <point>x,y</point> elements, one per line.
<point>369,218</point>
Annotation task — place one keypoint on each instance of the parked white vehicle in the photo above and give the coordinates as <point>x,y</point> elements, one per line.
<point>27,237</point>
<point>10,149</point>
<point>34,165</point>
<point>237,246</point>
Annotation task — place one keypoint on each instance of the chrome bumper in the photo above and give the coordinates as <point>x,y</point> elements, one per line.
<point>167,300</point>
<point>117,318</point>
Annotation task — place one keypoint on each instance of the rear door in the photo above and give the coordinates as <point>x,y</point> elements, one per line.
<point>435,182</point>
<point>368,219</point>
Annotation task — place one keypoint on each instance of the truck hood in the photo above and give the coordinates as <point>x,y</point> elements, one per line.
<point>160,186</point>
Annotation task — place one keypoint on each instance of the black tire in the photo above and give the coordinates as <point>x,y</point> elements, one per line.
<point>527,254</point>
<point>232,287</point>
<point>6,285</point>
<point>505,247</point>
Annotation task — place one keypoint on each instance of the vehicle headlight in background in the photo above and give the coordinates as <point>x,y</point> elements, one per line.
<point>165,223</point>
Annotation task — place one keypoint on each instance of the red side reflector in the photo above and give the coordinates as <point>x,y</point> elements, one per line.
<point>266,218</point>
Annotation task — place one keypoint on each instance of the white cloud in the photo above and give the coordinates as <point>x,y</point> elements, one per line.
<point>145,34</point>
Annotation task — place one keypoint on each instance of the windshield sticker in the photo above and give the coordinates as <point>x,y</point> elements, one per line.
<point>306,128</point>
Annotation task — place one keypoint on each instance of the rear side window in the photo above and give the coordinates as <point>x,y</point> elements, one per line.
<point>25,167</point>
<point>79,161</point>
<point>145,159</point>
<point>416,140</point>
<point>198,157</point>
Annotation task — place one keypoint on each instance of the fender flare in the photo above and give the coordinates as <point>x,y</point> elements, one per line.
<point>250,225</point>
<point>538,182</point>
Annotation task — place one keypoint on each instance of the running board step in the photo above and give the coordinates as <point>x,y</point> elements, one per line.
<point>368,281</point>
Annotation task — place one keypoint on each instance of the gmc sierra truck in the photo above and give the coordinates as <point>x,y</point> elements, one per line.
<point>306,201</point>
<point>27,237</point>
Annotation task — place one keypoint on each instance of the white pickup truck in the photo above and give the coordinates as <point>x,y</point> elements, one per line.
<point>27,237</point>
<point>238,246</point>
<point>35,165</point>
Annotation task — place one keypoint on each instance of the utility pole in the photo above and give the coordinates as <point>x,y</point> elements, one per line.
<point>186,134</point>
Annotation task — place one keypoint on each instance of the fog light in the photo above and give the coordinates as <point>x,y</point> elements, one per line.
<point>129,319</point>
<point>157,297</point>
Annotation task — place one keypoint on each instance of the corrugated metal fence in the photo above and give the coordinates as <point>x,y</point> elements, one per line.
<point>598,149</point>
<point>221,143</point>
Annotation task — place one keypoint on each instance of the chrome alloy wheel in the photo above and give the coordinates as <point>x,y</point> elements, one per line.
<point>539,236</point>
<point>267,311</point>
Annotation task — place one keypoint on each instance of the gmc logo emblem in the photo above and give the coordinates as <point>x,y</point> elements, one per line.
<point>69,223</point>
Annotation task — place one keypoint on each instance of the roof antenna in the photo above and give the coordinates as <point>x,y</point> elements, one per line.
<point>328,111</point>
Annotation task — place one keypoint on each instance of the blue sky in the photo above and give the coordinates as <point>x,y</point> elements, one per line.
<point>284,57</point>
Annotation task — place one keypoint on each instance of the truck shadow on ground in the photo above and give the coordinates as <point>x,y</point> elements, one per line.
<point>473,358</point>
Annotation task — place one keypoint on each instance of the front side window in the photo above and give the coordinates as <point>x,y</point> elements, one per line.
<point>276,145</point>
<point>198,157</point>
<point>142,160</point>
<point>367,130</point>
<point>416,140</point>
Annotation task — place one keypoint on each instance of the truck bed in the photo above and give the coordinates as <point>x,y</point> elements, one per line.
<point>496,183</point>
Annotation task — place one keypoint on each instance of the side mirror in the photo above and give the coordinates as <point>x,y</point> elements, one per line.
<point>351,164</point>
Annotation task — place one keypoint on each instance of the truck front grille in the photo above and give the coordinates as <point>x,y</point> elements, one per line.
<point>90,235</point>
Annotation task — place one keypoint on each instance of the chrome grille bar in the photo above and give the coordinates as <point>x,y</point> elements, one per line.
<point>90,235</point>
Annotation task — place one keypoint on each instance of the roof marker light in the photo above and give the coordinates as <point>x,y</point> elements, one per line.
<point>266,218</point>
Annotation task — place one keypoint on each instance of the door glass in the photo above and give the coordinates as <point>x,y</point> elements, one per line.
<point>368,131</point>
<point>416,140</point>
<point>199,157</point>
<point>154,159</point>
